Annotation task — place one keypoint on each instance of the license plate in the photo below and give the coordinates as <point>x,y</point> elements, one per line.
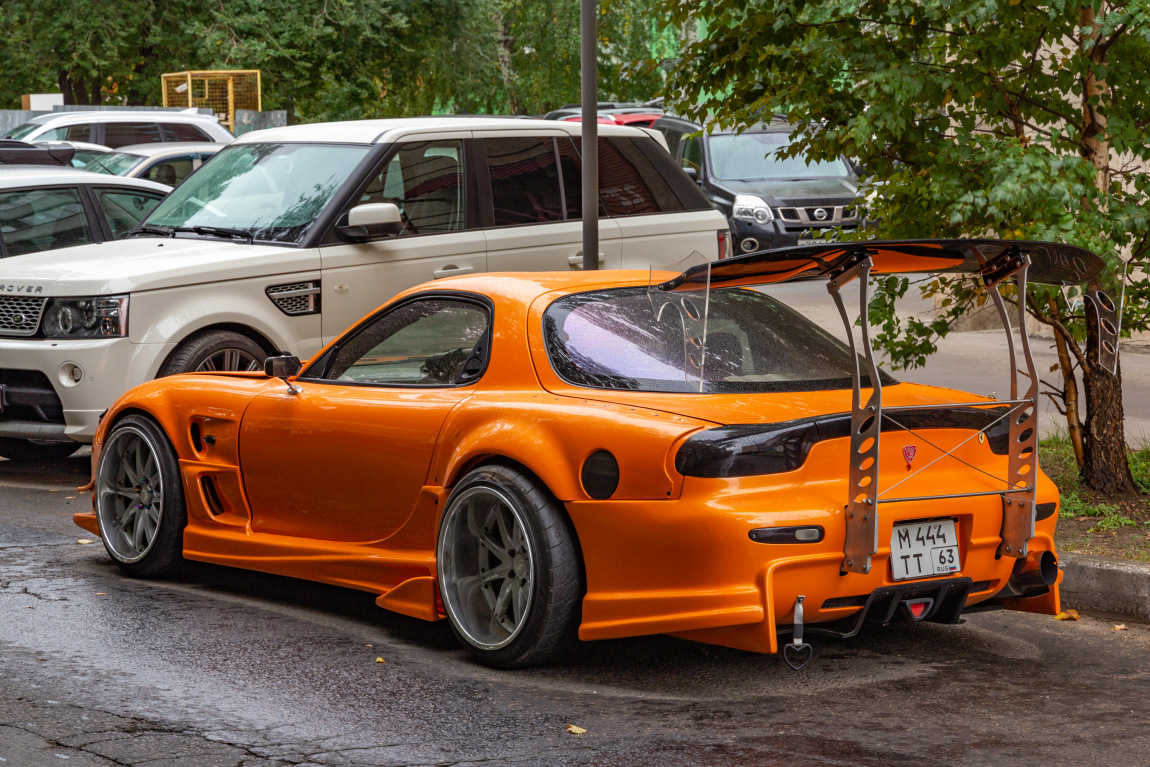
<point>923,549</point>
<point>820,241</point>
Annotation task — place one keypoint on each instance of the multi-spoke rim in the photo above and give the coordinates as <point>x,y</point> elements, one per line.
<point>129,493</point>
<point>486,567</point>
<point>229,359</point>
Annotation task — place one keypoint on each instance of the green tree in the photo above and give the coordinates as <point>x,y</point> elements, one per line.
<point>1021,119</point>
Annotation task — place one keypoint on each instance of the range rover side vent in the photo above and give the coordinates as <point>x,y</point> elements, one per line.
<point>296,298</point>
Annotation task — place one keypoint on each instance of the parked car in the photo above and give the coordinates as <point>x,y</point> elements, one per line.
<point>115,129</point>
<point>46,208</point>
<point>607,107</point>
<point>637,119</point>
<point>771,202</point>
<point>540,457</point>
<point>290,235</point>
<point>163,163</point>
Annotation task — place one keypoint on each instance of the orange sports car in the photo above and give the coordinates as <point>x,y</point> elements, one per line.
<point>538,457</point>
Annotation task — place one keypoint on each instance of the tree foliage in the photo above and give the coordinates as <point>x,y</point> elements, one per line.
<point>327,59</point>
<point>1019,119</point>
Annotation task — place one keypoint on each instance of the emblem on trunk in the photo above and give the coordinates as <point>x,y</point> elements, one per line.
<point>909,453</point>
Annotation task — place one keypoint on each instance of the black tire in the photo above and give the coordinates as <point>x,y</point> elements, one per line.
<point>29,451</point>
<point>205,350</point>
<point>550,623</point>
<point>164,553</point>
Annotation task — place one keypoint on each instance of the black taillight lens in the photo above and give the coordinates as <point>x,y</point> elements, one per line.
<point>745,450</point>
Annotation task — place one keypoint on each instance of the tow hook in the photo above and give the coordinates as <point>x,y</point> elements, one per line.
<point>797,654</point>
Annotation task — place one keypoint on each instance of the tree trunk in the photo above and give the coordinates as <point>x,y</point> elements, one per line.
<point>65,82</point>
<point>1105,467</point>
<point>1070,399</point>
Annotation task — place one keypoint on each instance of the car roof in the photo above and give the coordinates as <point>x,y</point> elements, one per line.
<point>778,124</point>
<point>112,115</point>
<point>21,176</point>
<point>161,148</point>
<point>385,131</point>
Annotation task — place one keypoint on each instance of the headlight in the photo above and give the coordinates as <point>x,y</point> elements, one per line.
<point>751,208</point>
<point>96,317</point>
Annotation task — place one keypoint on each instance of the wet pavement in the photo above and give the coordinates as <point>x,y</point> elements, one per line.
<point>231,668</point>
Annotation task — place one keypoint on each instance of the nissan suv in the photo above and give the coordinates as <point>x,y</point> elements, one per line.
<point>290,235</point>
<point>770,201</point>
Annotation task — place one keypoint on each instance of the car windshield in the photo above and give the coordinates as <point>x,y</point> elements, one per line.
<point>616,339</point>
<point>112,163</point>
<point>754,157</point>
<point>273,191</point>
<point>20,131</point>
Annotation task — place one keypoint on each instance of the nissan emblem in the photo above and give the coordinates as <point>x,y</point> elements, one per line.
<point>820,214</point>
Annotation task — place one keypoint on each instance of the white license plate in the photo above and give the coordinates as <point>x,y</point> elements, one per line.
<point>923,549</point>
<point>820,241</point>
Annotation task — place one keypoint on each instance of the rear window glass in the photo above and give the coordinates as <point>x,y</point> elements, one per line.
<point>637,177</point>
<point>122,134</point>
<point>617,339</point>
<point>184,132</point>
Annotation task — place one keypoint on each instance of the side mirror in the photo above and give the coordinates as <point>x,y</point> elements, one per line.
<point>282,366</point>
<point>372,221</point>
<point>692,174</point>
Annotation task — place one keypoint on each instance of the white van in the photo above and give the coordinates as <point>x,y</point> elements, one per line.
<point>290,235</point>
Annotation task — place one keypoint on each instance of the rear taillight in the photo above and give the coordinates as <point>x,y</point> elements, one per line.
<point>725,247</point>
<point>746,450</point>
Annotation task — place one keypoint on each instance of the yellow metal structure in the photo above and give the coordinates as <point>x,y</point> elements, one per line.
<point>221,90</point>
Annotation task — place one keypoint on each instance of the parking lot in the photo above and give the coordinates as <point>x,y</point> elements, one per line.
<point>230,668</point>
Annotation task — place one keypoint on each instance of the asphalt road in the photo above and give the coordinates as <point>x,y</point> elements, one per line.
<point>233,668</point>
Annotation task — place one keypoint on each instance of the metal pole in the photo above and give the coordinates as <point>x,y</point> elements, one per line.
<point>589,74</point>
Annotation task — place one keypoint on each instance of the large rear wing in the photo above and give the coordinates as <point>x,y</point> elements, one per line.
<point>992,261</point>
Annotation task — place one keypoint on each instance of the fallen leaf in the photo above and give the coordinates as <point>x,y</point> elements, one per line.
<point>53,490</point>
<point>101,594</point>
<point>28,606</point>
<point>575,730</point>
<point>369,645</point>
<point>83,541</point>
<point>1120,627</point>
<point>70,498</point>
<point>380,660</point>
<point>1066,615</point>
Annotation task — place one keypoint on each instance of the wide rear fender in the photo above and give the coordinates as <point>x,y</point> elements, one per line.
<point>552,436</point>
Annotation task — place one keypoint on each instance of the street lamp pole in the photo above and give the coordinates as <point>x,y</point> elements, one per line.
<point>589,78</point>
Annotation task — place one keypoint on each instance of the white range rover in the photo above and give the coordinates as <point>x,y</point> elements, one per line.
<point>290,235</point>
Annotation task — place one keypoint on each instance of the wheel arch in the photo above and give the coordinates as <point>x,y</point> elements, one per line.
<point>256,336</point>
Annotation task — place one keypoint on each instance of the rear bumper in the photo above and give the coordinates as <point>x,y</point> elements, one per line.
<point>688,567</point>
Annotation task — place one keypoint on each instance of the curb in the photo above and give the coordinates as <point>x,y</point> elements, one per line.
<point>1106,585</point>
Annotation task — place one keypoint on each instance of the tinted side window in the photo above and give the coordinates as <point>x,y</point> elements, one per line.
<point>122,134</point>
<point>524,180</point>
<point>432,342</point>
<point>125,208</point>
<point>170,170</point>
<point>68,133</point>
<point>425,180</point>
<point>673,135</point>
<point>628,183</point>
<point>572,165</point>
<point>693,154</point>
<point>32,220</point>
<point>183,132</point>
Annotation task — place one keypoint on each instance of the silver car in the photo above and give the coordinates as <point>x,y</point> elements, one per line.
<point>115,129</point>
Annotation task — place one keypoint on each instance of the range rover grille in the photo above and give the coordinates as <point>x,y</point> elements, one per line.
<point>20,315</point>
<point>297,298</point>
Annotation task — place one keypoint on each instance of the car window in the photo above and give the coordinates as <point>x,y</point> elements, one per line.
<point>673,136</point>
<point>170,170</point>
<point>424,180</point>
<point>274,191</point>
<point>693,154</point>
<point>429,342</point>
<point>621,339</point>
<point>20,131</point>
<point>630,183</point>
<point>572,166</point>
<point>524,180</point>
<point>32,220</point>
<point>126,207</point>
<point>67,133</point>
<point>119,134</point>
<point>183,132</point>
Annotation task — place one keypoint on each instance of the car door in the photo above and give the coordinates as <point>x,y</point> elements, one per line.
<point>344,458</point>
<point>534,219</point>
<point>427,180</point>
<point>43,218</point>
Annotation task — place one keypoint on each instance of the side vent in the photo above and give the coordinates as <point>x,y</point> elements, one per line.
<point>296,298</point>
<point>197,442</point>
<point>211,496</point>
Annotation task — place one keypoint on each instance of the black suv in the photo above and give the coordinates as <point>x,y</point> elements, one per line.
<point>771,202</point>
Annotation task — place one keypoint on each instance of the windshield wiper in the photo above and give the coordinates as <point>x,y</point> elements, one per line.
<point>223,230</point>
<point>163,231</point>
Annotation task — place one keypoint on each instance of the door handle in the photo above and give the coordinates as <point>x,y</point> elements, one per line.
<point>577,259</point>
<point>451,271</point>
